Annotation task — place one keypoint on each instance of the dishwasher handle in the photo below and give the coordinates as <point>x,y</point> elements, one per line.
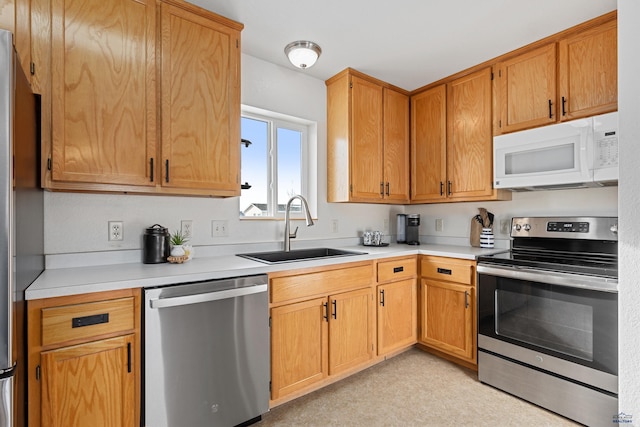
<point>206,297</point>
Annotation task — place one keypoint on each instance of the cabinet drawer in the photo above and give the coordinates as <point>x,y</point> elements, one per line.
<point>402,268</point>
<point>320,283</point>
<point>448,269</point>
<point>79,321</point>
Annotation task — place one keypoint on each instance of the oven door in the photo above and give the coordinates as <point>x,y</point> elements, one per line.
<point>563,323</point>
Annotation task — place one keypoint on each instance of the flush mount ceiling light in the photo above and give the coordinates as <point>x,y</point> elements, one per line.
<point>303,54</point>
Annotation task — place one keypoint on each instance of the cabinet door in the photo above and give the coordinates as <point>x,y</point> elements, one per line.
<point>589,72</point>
<point>469,136</point>
<point>526,89</point>
<point>200,103</point>
<point>366,141</point>
<point>447,317</point>
<point>298,346</point>
<point>103,91</point>
<point>429,145</point>
<point>396,146</point>
<point>89,385</point>
<point>397,315</point>
<point>350,333</point>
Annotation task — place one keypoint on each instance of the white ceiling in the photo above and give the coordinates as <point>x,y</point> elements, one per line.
<point>408,43</point>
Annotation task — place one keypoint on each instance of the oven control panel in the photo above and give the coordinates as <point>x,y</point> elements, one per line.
<point>568,227</point>
<point>591,228</point>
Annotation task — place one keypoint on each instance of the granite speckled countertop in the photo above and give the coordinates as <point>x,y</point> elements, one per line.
<point>79,280</point>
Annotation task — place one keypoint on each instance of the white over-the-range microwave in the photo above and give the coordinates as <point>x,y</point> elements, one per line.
<point>575,154</point>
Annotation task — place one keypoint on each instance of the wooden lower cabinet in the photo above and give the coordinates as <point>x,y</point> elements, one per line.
<point>322,326</point>
<point>84,360</point>
<point>447,308</point>
<point>298,346</point>
<point>89,384</point>
<point>313,339</point>
<point>350,316</point>
<point>447,317</point>
<point>397,303</point>
<point>397,315</point>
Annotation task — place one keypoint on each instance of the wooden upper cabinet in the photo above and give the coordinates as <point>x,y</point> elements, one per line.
<point>116,67</point>
<point>429,145</point>
<point>103,91</point>
<point>367,140</point>
<point>15,16</point>
<point>575,75</point>
<point>526,90</point>
<point>469,136</point>
<point>396,145</point>
<point>7,15</point>
<point>200,102</point>
<point>588,63</point>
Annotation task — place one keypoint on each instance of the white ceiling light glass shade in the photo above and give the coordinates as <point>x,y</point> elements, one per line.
<point>303,54</point>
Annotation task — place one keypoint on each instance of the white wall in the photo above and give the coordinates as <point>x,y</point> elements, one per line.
<point>629,244</point>
<point>78,222</point>
<point>457,216</point>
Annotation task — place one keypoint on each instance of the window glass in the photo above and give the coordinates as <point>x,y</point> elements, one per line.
<point>274,160</point>
<point>253,201</point>
<point>289,166</point>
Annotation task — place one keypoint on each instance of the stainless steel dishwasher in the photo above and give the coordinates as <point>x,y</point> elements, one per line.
<point>206,353</point>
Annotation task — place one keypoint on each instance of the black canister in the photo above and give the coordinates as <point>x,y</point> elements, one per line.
<point>156,246</point>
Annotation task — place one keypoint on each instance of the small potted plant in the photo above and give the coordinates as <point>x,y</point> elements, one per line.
<point>177,243</point>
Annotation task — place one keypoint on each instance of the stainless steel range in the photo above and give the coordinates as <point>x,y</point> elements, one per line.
<point>548,316</point>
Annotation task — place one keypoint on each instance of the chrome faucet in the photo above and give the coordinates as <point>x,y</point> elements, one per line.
<point>287,234</point>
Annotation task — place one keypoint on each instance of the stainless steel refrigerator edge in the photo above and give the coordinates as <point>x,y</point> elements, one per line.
<point>21,225</point>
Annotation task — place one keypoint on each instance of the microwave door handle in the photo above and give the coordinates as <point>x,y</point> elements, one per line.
<point>586,152</point>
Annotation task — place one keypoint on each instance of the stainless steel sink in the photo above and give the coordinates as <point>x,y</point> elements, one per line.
<point>276,257</point>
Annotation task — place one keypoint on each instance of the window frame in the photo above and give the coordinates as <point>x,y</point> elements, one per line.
<point>308,159</point>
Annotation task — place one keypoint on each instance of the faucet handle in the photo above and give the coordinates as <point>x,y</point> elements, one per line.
<point>293,235</point>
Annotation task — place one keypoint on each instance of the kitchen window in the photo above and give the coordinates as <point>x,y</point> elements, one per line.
<point>276,152</point>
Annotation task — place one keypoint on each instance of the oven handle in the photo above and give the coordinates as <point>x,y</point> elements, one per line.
<point>206,297</point>
<point>552,278</point>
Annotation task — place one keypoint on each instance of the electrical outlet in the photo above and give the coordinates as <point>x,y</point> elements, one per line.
<point>334,225</point>
<point>186,228</point>
<point>439,224</point>
<point>219,228</point>
<point>116,231</point>
<point>505,226</point>
<point>385,226</point>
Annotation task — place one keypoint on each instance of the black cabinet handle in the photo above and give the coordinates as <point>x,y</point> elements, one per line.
<point>398,269</point>
<point>564,101</point>
<point>382,297</point>
<point>388,189</point>
<point>129,357</point>
<point>449,188</point>
<point>550,111</point>
<point>441,188</point>
<point>466,299</point>
<point>335,309</point>
<point>444,271</point>
<point>151,169</point>
<point>326,311</point>
<point>382,189</point>
<point>96,319</point>
<point>166,170</point>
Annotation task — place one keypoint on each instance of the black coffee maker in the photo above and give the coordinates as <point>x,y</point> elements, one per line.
<point>412,234</point>
<point>156,245</point>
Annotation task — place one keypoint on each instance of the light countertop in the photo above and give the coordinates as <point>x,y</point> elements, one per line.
<point>79,280</point>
